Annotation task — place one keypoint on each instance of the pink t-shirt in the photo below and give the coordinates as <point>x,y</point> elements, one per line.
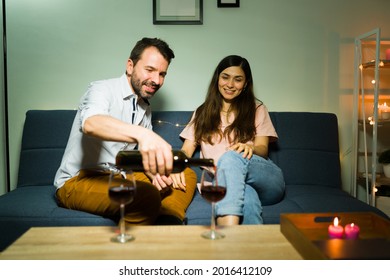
<point>264,127</point>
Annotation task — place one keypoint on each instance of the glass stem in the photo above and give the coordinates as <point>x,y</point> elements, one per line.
<point>122,221</point>
<point>212,216</point>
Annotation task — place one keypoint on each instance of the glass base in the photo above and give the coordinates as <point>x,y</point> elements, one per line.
<point>122,238</point>
<point>212,234</point>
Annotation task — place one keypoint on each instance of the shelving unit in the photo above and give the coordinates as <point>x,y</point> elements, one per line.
<point>368,95</point>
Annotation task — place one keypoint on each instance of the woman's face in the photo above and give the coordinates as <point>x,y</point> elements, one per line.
<point>231,82</point>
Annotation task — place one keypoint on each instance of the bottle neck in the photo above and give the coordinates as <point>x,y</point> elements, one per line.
<point>199,161</point>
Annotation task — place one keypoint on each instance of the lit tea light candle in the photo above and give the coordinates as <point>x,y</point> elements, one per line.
<point>352,231</point>
<point>335,230</point>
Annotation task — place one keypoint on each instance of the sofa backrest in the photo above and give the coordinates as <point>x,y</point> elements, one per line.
<point>307,149</point>
<point>46,132</point>
<point>169,124</point>
<point>45,135</point>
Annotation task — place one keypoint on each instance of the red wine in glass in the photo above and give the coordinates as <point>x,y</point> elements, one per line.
<point>213,193</point>
<point>122,194</point>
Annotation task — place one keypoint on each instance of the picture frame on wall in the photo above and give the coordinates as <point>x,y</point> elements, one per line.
<point>228,3</point>
<point>178,12</point>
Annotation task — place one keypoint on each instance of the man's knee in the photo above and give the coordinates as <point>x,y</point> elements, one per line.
<point>190,176</point>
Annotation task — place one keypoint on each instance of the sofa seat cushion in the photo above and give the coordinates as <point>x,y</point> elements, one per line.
<point>199,211</point>
<point>38,202</point>
<point>324,199</point>
<point>36,206</point>
<point>297,199</point>
<point>271,213</point>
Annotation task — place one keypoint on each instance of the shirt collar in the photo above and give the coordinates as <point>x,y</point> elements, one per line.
<point>128,92</point>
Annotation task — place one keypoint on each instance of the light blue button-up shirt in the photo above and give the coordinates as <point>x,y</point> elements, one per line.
<point>113,97</point>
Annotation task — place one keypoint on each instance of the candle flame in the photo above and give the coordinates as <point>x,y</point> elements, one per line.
<point>336,221</point>
<point>352,224</point>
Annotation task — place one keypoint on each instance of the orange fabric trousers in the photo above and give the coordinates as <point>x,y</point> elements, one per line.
<point>90,194</point>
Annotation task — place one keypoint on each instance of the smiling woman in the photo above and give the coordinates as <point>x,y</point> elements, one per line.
<point>234,129</point>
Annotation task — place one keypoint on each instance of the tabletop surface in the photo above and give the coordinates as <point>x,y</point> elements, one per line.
<point>249,242</point>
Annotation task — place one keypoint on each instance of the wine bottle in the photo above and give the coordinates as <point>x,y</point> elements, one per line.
<point>132,160</point>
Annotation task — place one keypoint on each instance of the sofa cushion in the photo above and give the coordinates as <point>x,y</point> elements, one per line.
<point>297,199</point>
<point>39,203</point>
<point>36,206</point>
<point>45,135</point>
<point>308,149</point>
<point>169,124</point>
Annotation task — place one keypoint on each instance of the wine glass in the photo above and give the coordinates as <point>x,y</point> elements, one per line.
<point>213,189</point>
<point>122,194</point>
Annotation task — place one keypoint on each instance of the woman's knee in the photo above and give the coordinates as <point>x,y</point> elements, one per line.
<point>230,158</point>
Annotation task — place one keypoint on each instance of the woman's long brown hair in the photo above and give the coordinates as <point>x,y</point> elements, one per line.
<point>207,120</point>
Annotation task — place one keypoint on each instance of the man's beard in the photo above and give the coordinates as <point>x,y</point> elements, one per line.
<point>137,87</point>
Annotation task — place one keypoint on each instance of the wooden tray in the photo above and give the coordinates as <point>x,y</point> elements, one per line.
<point>308,233</point>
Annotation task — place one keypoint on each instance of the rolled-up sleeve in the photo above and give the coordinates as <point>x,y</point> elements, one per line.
<point>95,101</point>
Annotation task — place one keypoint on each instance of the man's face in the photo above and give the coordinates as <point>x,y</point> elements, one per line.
<point>148,75</point>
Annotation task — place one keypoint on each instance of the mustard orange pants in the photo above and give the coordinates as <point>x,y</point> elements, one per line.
<point>90,194</point>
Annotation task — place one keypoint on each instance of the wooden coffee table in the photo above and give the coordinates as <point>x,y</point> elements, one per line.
<point>245,242</point>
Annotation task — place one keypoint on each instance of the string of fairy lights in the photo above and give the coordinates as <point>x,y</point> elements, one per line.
<point>160,122</point>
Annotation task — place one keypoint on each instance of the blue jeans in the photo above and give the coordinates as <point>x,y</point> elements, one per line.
<point>250,184</point>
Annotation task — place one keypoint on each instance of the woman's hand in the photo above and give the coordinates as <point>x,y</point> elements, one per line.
<point>163,183</point>
<point>246,149</point>
<point>260,147</point>
<point>179,181</point>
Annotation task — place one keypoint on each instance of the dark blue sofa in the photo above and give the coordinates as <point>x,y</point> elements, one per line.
<point>307,152</point>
